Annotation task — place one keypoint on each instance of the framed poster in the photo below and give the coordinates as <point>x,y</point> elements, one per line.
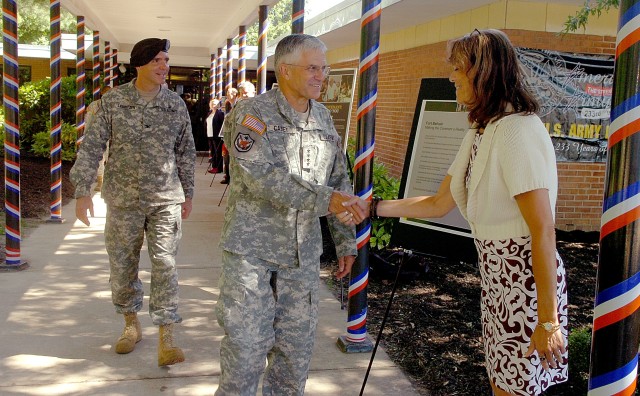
<point>437,131</point>
<point>337,95</point>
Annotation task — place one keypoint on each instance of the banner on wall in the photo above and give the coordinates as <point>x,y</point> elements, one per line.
<point>337,96</point>
<point>574,92</point>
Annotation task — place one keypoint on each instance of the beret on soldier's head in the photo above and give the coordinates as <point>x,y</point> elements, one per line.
<point>145,50</point>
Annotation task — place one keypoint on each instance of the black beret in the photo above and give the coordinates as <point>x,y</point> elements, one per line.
<point>145,50</point>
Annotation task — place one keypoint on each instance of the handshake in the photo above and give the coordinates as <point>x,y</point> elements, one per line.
<point>348,208</point>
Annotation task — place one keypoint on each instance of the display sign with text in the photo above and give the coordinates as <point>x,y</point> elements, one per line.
<point>437,132</point>
<point>337,96</point>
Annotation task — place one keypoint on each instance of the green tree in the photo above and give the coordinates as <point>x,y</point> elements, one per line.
<point>589,9</point>
<point>279,22</point>
<point>34,22</point>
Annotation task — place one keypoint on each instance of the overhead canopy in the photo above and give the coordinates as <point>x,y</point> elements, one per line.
<point>196,28</point>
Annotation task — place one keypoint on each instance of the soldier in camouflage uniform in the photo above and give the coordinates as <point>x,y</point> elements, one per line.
<point>148,188</point>
<point>287,170</point>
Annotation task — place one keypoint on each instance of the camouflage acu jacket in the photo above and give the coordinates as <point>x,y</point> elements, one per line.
<point>151,149</point>
<point>283,172</point>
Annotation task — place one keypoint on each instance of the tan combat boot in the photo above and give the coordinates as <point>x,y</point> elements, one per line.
<point>131,334</point>
<point>167,353</point>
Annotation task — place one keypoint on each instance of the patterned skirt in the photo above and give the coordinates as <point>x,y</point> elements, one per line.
<point>509,316</point>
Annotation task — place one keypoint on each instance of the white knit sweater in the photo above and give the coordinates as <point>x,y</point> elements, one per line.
<point>515,156</point>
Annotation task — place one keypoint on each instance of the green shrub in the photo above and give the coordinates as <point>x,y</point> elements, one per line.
<point>385,187</point>
<point>35,104</point>
<point>579,356</point>
<point>41,145</point>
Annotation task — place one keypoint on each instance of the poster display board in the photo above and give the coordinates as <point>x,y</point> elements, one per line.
<point>437,131</point>
<point>337,95</point>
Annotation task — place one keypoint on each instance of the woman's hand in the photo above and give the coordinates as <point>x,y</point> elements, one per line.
<point>550,346</point>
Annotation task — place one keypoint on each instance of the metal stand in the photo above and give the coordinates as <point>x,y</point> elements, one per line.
<point>224,192</point>
<point>384,319</point>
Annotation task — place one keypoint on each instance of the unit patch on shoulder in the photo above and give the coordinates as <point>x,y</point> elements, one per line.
<point>243,142</point>
<point>254,124</point>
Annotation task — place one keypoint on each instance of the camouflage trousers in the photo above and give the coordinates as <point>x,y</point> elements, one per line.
<point>124,234</point>
<point>266,312</point>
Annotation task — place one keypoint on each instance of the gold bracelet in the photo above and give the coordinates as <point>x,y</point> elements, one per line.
<point>549,327</point>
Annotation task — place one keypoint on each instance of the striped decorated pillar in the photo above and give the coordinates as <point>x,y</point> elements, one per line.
<point>263,28</point>
<point>297,16</point>
<point>114,67</point>
<point>80,79</point>
<point>55,114</point>
<point>212,77</point>
<point>107,63</point>
<point>10,85</point>
<point>229,76</point>
<point>356,339</point>
<point>242,46</point>
<point>616,319</point>
<point>219,74</point>
<point>95,81</point>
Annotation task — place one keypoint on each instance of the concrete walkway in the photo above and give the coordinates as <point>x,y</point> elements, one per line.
<point>57,323</point>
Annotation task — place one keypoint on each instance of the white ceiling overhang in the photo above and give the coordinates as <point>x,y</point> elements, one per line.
<point>197,28</point>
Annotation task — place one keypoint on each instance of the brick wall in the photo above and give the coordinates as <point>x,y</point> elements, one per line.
<point>581,185</point>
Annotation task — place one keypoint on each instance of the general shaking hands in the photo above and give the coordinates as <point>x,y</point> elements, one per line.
<point>341,205</point>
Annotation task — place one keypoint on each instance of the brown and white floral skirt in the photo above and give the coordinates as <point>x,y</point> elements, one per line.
<point>509,316</point>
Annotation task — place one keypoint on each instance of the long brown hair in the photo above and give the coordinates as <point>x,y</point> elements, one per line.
<point>492,66</point>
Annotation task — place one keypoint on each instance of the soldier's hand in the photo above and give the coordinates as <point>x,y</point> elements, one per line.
<point>82,205</point>
<point>347,214</point>
<point>187,205</point>
<point>344,266</point>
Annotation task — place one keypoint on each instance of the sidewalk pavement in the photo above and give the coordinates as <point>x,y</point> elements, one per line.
<point>58,324</point>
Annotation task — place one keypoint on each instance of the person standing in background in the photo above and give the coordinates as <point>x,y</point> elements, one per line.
<point>214,123</point>
<point>148,188</point>
<point>232,96</point>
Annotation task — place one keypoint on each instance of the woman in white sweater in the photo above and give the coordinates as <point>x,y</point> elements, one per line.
<point>504,181</point>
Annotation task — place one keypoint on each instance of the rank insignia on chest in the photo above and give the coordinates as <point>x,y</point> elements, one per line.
<point>243,142</point>
<point>254,124</point>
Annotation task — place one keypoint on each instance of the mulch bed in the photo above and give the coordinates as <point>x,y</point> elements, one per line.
<point>433,331</point>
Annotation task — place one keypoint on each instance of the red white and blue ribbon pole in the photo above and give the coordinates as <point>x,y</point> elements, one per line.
<point>107,63</point>
<point>219,61</point>
<point>297,16</point>
<point>242,46</point>
<point>616,319</point>
<point>229,82</point>
<point>212,77</point>
<point>363,167</point>
<point>10,85</point>
<point>263,28</point>
<point>95,81</point>
<point>114,67</point>
<point>55,114</point>
<point>80,79</point>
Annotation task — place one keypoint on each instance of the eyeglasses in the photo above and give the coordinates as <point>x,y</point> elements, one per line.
<point>313,69</point>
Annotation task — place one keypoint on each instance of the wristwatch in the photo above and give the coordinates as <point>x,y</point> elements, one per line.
<point>549,327</point>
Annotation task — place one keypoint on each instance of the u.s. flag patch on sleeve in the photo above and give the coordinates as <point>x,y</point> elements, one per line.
<point>254,124</point>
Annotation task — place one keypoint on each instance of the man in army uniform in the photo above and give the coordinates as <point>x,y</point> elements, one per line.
<point>148,188</point>
<point>288,169</point>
